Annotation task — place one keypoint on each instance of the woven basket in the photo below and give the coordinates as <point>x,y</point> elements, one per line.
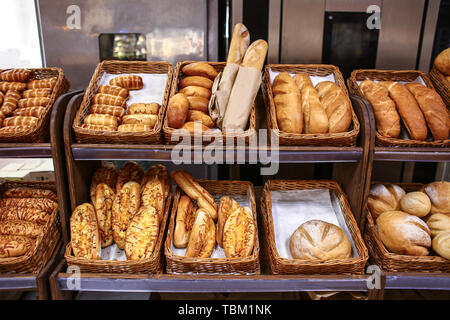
<point>35,259</point>
<point>348,138</point>
<point>393,262</point>
<point>120,67</point>
<point>393,75</point>
<point>441,84</point>
<point>209,137</point>
<point>41,132</point>
<point>279,265</point>
<point>153,265</point>
<point>180,264</point>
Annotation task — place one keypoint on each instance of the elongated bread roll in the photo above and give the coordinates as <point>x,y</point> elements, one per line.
<point>203,236</point>
<point>132,82</point>
<point>144,108</point>
<point>239,234</point>
<point>337,106</point>
<point>255,55</point>
<point>134,128</point>
<point>158,171</point>
<point>43,83</point>
<point>20,121</point>
<point>386,115</point>
<point>11,100</point>
<point>16,75</point>
<point>196,81</point>
<point>32,102</point>
<point>26,214</point>
<point>202,69</point>
<point>14,246</point>
<point>21,228</point>
<point>103,174</point>
<point>177,110</point>
<point>16,86</point>
<point>314,115</point>
<point>227,206</point>
<point>15,129</point>
<point>106,109</point>
<point>24,192</point>
<point>442,62</point>
<point>239,44</point>
<point>198,116</point>
<point>114,90</point>
<point>29,112</point>
<point>108,99</point>
<point>152,195</point>
<point>194,127</point>
<point>288,104</point>
<point>102,119</point>
<point>104,199</point>
<point>36,93</point>
<point>98,127</point>
<point>186,214</point>
<point>131,171</point>
<point>147,119</point>
<point>198,103</point>
<point>196,91</point>
<point>142,234</point>
<point>46,205</point>
<point>301,80</point>
<point>85,238</point>
<point>434,109</point>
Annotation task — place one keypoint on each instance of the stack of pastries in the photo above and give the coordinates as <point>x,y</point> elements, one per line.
<point>420,108</point>
<point>196,218</point>
<point>411,223</point>
<point>127,209</point>
<point>191,102</point>
<point>302,108</point>
<point>23,99</point>
<point>109,110</point>
<point>24,213</point>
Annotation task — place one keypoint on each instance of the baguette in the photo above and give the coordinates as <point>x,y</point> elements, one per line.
<point>20,121</point>
<point>202,69</point>
<point>255,55</point>
<point>84,234</point>
<point>16,86</point>
<point>108,99</point>
<point>33,102</point>
<point>144,108</point>
<point>106,109</point>
<point>132,82</point>
<point>37,93</point>
<point>146,119</point>
<point>14,246</point>
<point>16,75</point>
<point>23,192</point>
<point>43,83</point>
<point>239,44</point>
<point>29,112</point>
<point>114,90</point>
<point>102,119</point>
<point>21,228</point>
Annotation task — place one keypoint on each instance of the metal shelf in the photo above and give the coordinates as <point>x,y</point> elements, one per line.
<point>417,281</point>
<point>412,154</point>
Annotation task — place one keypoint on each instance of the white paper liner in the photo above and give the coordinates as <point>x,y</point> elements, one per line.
<point>291,208</point>
<point>314,79</point>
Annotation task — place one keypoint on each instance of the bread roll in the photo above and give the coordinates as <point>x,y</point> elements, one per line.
<point>98,127</point>
<point>18,75</point>
<point>29,112</point>
<point>196,91</point>
<point>159,171</point>
<point>134,128</point>
<point>319,240</point>
<point>255,55</point>
<point>126,204</point>
<point>106,109</point>
<point>441,245</point>
<point>186,214</point>
<point>403,233</point>
<point>337,106</point>
<point>104,199</point>
<point>152,195</point>
<point>434,109</point>
<point>203,236</point>
<point>287,104</point>
<point>142,234</point>
<point>384,198</point>
<point>42,83</point>
<point>42,204</point>
<point>24,192</point>
<point>194,127</point>
<point>416,203</point>
<point>132,82</point>
<point>21,228</point>
<point>26,214</point>
<point>442,62</point>
<point>439,194</point>
<point>227,206</point>
<point>196,192</point>
<point>11,100</point>
<point>15,129</point>
<point>16,86</point>
<point>196,81</point>
<point>198,116</point>
<point>239,234</point>
<point>20,121</point>
<point>36,93</point>
<point>198,103</point>
<point>131,171</point>
<point>314,115</point>
<point>102,120</point>
<point>448,78</point>
<point>85,238</point>
<point>202,69</point>
<point>14,246</point>
<point>177,111</point>
<point>103,174</point>
<point>108,99</point>
<point>33,102</point>
<point>144,108</point>
<point>146,119</point>
<point>386,115</point>
<point>114,90</point>
<point>438,223</point>
<point>239,44</point>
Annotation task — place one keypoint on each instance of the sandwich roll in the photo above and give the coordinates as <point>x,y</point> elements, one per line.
<point>201,69</point>
<point>132,82</point>
<point>134,128</point>
<point>142,234</point>
<point>239,44</point>
<point>108,99</point>
<point>146,119</point>
<point>384,198</point>
<point>102,119</point>
<point>196,91</point>
<point>203,236</point>
<point>196,81</point>
<point>106,109</point>
<point>239,234</point>
<point>37,93</point>
<point>198,116</point>
<point>198,103</point>
<point>144,108</point>
<point>42,83</point>
<point>114,90</point>
<point>186,214</point>
<point>177,111</point>
<point>227,206</point>
<point>416,203</point>
<point>255,55</point>
<point>84,234</point>
<point>438,223</point>
<point>98,127</point>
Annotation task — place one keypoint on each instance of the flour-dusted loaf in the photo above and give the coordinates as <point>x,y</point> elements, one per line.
<point>239,234</point>
<point>416,203</point>
<point>142,234</point>
<point>85,238</point>
<point>384,197</point>
<point>438,223</point>
<point>439,194</point>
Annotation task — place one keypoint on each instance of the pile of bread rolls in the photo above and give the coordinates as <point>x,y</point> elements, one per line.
<point>411,223</point>
<point>197,214</point>
<point>319,240</point>
<point>23,99</point>
<point>127,209</point>
<point>419,107</point>
<point>190,104</point>
<point>109,111</point>
<point>303,108</point>
<point>24,212</point>
<point>442,63</point>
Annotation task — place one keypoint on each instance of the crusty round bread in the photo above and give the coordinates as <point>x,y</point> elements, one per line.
<point>319,240</point>
<point>203,236</point>
<point>416,203</point>
<point>403,233</point>
<point>438,223</point>
<point>384,198</point>
<point>441,245</point>
<point>439,194</point>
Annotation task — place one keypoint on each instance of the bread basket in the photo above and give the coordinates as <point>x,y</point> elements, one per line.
<point>441,84</point>
<point>176,264</point>
<point>348,138</point>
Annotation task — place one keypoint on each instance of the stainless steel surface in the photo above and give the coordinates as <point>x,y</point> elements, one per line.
<point>273,55</point>
<point>428,35</point>
<point>350,5</point>
<point>175,30</point>
<point>237,13</point>
<point>418,281</point>
<point>401,22</point>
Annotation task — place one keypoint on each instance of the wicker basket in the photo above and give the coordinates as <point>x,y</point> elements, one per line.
<point>279,265</point>
<point>41,132</point>
<point>441,84</point>
<point>35,259</point>
<point>209,137</point>
<point>348,138</point>
<point>393,75</point>
<point>154,264</point>
<point>180,264</point>
<point>393,262</point>
<point>120,67</point>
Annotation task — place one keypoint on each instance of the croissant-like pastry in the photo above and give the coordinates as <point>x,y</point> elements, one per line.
<point>33,102</point>
<point>106,109</point>
<point>18,86</point>
<point>43,83</point>
<point>20,121</point>
<point>114,90</point>
<point>36,93</point>
<point>17,75</point>
<point>108,99</point>
<point>29,112</point>
<point>128,82</point>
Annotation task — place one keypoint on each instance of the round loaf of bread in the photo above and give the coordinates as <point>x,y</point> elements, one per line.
<point>403,233</point>
<point>384,198</point>
<point>442,62</point>
<point>416,203</point>
<point>441,245</point>
<point>319,240</point>
<point>439,194</point>
<point>438,223</point>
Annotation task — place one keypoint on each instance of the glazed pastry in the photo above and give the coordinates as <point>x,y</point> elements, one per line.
<point>85,238</point>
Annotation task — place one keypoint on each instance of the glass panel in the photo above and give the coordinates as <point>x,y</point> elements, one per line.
<point>122,46</point>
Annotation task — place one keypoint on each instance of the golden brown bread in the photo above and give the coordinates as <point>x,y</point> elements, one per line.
<point>152,195</point>
<point>10,102</point>
<point>196,192</point>
<point>14,246</point>
<point>42,83</point>
<point>203,236</point>
<point>227,206</point>
<point>255,55</point>
<point>438,223</point>
<point>114,90</point>
<point>131,171</point>
<point>239,44</point>
<point>104,199</point>
<point>319,240</point>
<point>442,62</point>
<point>337,106</point>
<point>36,93</point>
<point>102,119</point>
<point>198,103</point>
<point>106,175</point>
<point>108,99</point>
<point>434,109</point>
<point>32,102</point>
<point>24,192</point>
<point>20,121</point>
<point>186,214</point>
<point>386,115</point>
<point>288,104</point>
<point>384,198</point>
<point>21,228</point>
<point>239,234</point>
<point>126,204</point>
<point>441,245</point>
<point>144,108</point>
<point>29,112</point>
<point>177,111</point>
<point>17,86</point>
<point>16,75</point>
<point>196,91</point>
<point>15,129</point>
<point>85,238</point>
<point>314,115</point>
<point>145,119</point>
<point>42,204</point>
<point>161,172</point>
<point>27,214</point>
<point>202,69</point>
<point>98,127</point>
<point>132,82</point>
<point>194,127</point>
<point>198,116</point>
<point>403,233</point>
<point>416,203</point>
<point>439,194</point>
<point>134,128</point>
<point>197,81</point>
<point>107,109</point>
<point>142,234</point>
